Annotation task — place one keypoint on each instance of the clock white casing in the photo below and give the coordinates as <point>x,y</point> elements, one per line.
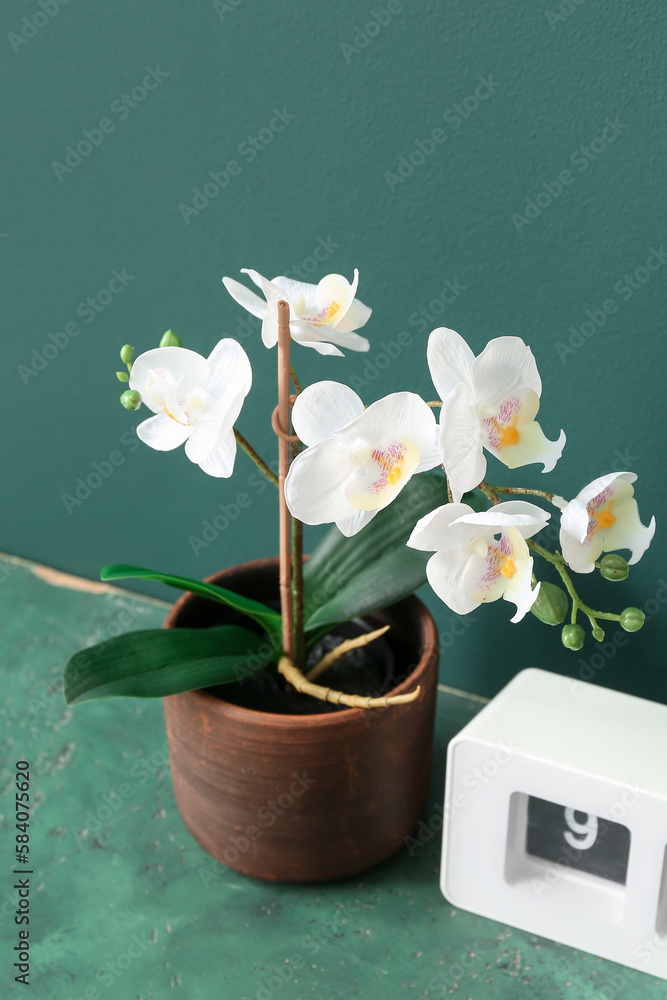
<point>579,747</point>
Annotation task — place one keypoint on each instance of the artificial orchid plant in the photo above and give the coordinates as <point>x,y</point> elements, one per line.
<point>370,471</point>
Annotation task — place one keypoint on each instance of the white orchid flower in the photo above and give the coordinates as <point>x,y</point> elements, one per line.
<point>357,460</point>
<point>603,517</point>
<point>489,401</point>
<point>321,315</point>
<point>470,566</point>
<point>196,401</point>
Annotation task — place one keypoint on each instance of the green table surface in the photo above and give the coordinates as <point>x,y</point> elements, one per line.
<point>125,904</point>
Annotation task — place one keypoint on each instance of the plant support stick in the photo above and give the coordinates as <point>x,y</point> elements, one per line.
<point>283,469</point>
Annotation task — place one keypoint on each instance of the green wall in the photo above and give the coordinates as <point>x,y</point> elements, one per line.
<point>555,74</point>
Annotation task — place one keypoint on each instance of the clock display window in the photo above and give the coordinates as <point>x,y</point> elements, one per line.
<point>577,840</point>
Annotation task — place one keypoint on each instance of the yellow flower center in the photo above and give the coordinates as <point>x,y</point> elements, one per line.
<point>508,434</point>
<point>603,518</point>
<point>508,568</point>
<point>331,311</point>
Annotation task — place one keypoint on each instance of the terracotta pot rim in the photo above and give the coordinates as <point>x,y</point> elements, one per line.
<point>223,708</point>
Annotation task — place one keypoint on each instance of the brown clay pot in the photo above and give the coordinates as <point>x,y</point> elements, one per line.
<point>303,798</point>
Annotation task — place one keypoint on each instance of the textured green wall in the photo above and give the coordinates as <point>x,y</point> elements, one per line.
<point>555,75</point>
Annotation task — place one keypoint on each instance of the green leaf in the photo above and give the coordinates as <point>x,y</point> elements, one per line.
<point>348,577</point>
<point>152,663</point>
<point>551,605</point>
<point>260,613</point>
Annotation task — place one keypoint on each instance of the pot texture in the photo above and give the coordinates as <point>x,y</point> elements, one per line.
<point>303,798</point>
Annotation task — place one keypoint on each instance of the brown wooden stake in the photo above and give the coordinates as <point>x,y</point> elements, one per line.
<point>283,469</point>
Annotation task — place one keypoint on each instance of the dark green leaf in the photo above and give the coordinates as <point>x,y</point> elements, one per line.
<point>348,577</point>
<point>152,663</point>
<point>264,616</point>
<point>551,605</point>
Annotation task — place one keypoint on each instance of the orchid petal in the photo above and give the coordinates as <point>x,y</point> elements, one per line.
<point>449,360</point>
<point>357,315</point>
<point>309,335</point>
<point>186,369</point>
<point>294,290</point>
<point>229,366</point>
<point>323,408</point>
<point>430,460</point>
<point>245,297</point>
<point>433,533</point>
<point>505,366</point>
<point>354,522</point>
<point>400,414</point>
<point>315,483</point>
<point>580,556</point>
<point>452,574</point>
<point>273,295</point>
<point>162,433</point>
<point>203,439</point>
<point>321,346</point>
<point>220,462</point>
<point>460,442</point>
<point>526,517</point>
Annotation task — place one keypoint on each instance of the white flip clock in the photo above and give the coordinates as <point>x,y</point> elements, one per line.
<point>555,817</point>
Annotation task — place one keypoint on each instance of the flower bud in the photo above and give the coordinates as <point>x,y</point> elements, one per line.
<point>598,634</point>
<point>170,339</point>
<point>613,567</point>
<point>126,354</point>
<point>131,399</point>
<point>551,604</point>
<point>632,619</point>
<point>122,376</point>
<point>573,636</point>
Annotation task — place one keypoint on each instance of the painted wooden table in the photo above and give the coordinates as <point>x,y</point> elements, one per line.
<point>124,903</point>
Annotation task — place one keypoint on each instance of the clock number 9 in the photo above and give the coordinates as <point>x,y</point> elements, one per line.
<point>581,835</point>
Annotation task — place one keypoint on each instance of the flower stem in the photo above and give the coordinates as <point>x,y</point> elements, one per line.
<point>524,490</point>
<point>259,462</point>
<point>489,491</point>
<point>556,559</point>
<point>297,384</point>
<point>298,637</point>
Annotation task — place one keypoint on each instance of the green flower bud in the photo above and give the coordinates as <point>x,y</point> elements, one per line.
<point>573,636</point>
<point>551,604</point>
<point>170,339</point>
<point>131,399</point>
<point>122,376</point>
<point>632,619</point>
<point>127,354</point>
<point>613,567</point>
<point>598,634</point>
